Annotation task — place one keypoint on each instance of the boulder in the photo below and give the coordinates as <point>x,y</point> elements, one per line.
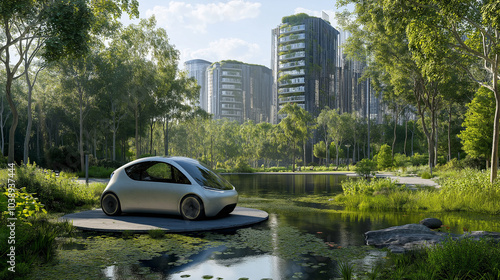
<point>432,223</point>
<point>402,238</point>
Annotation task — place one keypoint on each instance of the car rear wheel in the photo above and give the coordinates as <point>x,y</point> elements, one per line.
<point>110,205</point>
<point>192,208</point>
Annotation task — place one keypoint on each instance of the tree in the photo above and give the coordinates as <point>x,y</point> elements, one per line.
<point>384,157</point>
<point>476,137</point>
<point>295,126</point>
<point>467,30</point>
<point>65,27</point>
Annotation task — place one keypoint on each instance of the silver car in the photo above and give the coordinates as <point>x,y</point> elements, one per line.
<point>169,185</point>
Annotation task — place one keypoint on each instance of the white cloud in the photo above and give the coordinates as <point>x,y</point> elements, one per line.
<point>224,49</point>
<point>198,16</point>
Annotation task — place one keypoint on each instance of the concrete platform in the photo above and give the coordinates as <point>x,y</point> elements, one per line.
<point>96,220</point>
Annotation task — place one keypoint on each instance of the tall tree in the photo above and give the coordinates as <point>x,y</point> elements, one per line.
<point>295,126</point>
<point>64,25</point>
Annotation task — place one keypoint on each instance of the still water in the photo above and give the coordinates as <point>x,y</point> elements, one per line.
<point>289,235</point>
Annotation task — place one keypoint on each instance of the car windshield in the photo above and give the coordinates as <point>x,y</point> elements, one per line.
<point>205,176</point>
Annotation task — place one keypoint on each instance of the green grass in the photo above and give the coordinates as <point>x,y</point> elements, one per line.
<point>58,194</point>
<point>453,259</point>
<point>469,191</point>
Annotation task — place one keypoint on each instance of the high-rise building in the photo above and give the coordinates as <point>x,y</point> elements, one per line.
<point>197,68</point>
<point>304,63</point>
<point>239,91</point>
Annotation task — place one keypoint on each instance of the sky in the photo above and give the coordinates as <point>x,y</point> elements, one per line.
<point>216,30</point>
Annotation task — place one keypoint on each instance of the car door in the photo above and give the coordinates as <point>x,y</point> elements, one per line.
<point>159,188</point>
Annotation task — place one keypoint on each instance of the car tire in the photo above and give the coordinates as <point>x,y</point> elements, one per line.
<point>111,205</point>
<point>192,208</point>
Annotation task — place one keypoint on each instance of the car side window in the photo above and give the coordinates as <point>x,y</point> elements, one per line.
<point>156,172</point>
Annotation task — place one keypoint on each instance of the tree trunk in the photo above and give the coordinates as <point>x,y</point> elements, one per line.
<point>82,156</point>
<point>137,147</point>
<point>395,130</point>
<point>449,133</point>
<point>496,130</point>
<point>406,136</point>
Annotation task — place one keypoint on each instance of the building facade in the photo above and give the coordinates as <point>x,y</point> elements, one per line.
<point>238,91</point>
<point>304,64</point>
<point>197,68</point>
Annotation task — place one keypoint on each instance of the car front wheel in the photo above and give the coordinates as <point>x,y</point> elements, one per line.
<point>110,205</point>
<point>192,208</point>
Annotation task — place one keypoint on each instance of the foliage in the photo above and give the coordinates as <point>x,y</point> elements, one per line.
<point>464,190</point>
<point>478,123</point>
<point>366,167</point>
<point>35,238</point>
<point>384,157</point>
<point>57,193</point>
<point>295,19</point>
<point>464,258</point>
<point>98,172</point>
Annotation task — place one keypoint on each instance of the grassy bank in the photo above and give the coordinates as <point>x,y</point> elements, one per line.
<point>467,190</point>
<point>460,259</point>
<point>38,192</point>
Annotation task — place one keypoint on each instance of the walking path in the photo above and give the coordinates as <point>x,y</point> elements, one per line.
<point>411,181</point>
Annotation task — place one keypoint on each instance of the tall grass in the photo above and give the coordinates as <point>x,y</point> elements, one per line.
<point>470,190</point>
<point>464,258</point>
<point>57,193</point>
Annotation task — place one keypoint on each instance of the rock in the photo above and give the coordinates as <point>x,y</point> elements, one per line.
<point>402,238</point>
<point>432,223</point>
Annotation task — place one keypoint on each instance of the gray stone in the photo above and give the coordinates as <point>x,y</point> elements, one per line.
<point>400,239</point>
<point>432,223</point>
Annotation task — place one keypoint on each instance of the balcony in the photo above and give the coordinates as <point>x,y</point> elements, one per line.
<point>294,81</point>
<point>293,55</point>
<point>292,64</point>
<point>299,98</point>
<point>226,86</point>
<point>228,93</point>
<point>228,99</point>
<point>292,72</point>
<point>231,80</point>
<point>293,47</point>
<point>230,106</point>
<point>289,29</point>
<point>291,90</point>
<point>231,73</point>
<point>293,37</point>
<point>230,113</point>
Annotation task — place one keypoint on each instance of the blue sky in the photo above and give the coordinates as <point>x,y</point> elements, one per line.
<point>227,29</point>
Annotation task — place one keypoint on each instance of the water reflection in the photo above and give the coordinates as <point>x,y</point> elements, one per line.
<point>335,228</point>
<point>292,184</point>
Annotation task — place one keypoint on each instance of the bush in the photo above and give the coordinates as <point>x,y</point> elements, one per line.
<point>242,166</point>
<point>365,167</point>
<point>34,244</point>
<point>63,158</point>
<point>98,172</point>
<point>464,258</point>
<point>418,159</point>
<point>57,193</point>
<point>401,160</point>
<point>384,157</point>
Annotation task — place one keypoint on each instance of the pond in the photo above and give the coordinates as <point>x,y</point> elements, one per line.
<point>299,241</point>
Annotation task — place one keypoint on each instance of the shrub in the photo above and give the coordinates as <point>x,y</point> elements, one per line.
<point>418,159</point>
<point>401,160</point>
<point>63,158</point>
<point>57,193</point>
<point>365,167</point>
<point>463,258</point>
<point>384,157</point>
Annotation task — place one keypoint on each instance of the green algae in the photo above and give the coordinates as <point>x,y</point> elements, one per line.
<point>104,251</point>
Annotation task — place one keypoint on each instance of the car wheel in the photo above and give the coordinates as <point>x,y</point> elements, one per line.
<point>192,208</point>
<point>110,205</point>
